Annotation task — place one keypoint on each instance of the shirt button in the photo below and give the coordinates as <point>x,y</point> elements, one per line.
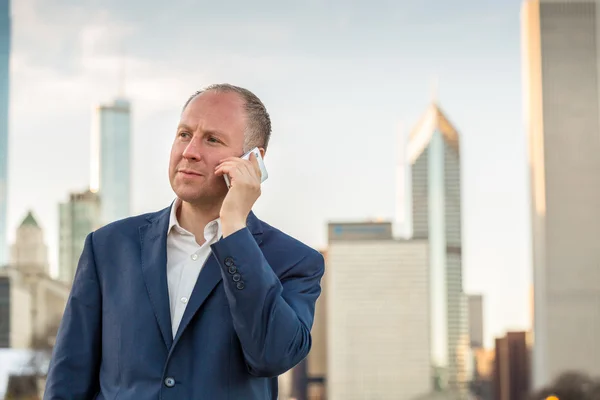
<point>184,300</point>
<point>169,382</point>
<point>194,257</point>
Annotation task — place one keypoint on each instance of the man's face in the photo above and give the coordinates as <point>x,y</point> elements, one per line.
<point>211,128</point>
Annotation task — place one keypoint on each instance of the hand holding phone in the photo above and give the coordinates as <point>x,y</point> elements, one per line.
<point>261,164</point>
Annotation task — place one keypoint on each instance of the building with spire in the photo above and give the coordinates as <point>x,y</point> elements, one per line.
<point>29,251</point>
<point>5,42</point>
<point>434,157</point>
<point>31,302</point>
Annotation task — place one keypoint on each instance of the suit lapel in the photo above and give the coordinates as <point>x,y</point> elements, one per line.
<point>209,277</point>
<point>153,237</point>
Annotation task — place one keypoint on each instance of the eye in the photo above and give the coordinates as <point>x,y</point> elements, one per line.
<point>184,134</point>
<point>213,139</point>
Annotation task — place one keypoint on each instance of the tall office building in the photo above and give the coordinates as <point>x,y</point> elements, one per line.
<point>434,156</point>
<point>77,217</point>
<point>561,78</point>
<point>111,160</point>
<point>5,30</point>
<point>377,314</point>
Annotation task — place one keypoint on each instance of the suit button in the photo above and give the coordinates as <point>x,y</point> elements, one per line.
<point>237,277</point>
<point>169,382</point>
<point>240,285</point>
<point>232,269</point>
<point>229,262</point>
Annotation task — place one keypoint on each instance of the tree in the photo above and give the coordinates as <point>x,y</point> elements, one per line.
<point>571,385</point>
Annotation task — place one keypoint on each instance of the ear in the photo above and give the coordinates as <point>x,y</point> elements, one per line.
<point>262,152</point>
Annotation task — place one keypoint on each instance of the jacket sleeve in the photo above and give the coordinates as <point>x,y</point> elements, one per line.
<point>272,318</point>
<point>75,362</point>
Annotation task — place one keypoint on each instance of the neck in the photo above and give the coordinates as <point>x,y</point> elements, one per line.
<point>194,217</point>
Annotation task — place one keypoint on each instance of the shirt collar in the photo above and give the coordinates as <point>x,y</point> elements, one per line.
<point>209,230</point>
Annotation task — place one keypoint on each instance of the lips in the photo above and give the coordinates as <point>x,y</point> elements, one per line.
<point>189,172</point>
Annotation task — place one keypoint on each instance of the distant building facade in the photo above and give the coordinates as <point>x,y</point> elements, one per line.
<point>562,112</point>
<point>512,370</point>
<point>78,217</point>
<point>5,43</point>
<point>31,302</point>
<point>475,303</point>
<point>377,291</point>
<point>111,167</point>
<point>434,157</point>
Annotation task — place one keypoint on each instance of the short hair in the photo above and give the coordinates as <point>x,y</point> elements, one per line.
<point>258,128</point>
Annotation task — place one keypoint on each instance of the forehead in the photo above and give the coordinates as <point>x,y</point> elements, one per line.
<point>216,110</point>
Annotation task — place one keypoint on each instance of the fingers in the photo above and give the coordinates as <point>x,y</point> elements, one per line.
<point>236,167</point>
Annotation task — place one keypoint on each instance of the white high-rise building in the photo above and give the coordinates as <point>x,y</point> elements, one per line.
<point>377,314</point>
<point>111,160</point>
<point>434,157</point>
<point>561,78</point>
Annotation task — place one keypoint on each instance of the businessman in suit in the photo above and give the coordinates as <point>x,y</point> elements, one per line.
<point>201,300</point>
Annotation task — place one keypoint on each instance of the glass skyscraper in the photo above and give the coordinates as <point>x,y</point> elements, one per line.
<point>111,160</point>
<point>4,87</point>
<point>78,217</point>
<point>434,156</point>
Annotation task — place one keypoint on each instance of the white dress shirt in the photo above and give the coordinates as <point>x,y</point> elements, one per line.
<point>185,259</point>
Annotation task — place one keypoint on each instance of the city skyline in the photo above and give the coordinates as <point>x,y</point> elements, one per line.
<point>311,82</point>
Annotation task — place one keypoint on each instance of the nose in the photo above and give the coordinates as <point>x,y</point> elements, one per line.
<point>192,151</point>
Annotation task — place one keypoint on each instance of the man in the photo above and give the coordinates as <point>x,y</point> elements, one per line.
<point>201,300</point>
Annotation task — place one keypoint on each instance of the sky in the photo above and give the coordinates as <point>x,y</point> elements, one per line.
<point>344,83</point>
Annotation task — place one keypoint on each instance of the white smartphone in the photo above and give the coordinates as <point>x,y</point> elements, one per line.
<point>261,164</point>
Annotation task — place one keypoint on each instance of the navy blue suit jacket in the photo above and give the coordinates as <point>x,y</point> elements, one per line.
<point>248,320</point>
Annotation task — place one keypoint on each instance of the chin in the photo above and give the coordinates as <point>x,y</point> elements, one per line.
<point>198,195</point>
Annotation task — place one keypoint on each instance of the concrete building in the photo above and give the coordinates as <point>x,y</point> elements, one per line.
<point>111,159</point>
<point>475,303</point>
<point>434,157</point>
<point>5,43</point>
<point>78,217</point>
<point>377,314</point>
<point>561,99</point>
<point>31,302</point>
<point>29,250</point>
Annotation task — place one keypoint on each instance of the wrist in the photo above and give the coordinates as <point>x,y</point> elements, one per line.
<point>230,226</point>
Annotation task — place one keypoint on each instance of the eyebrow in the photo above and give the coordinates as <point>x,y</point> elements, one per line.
<point>208,131</point>
<point>183,126</point>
